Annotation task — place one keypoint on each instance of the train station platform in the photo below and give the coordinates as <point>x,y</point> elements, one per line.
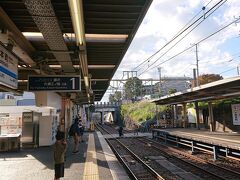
<point>216,142</point>
<point>149,135</point>
<point>94,161</point>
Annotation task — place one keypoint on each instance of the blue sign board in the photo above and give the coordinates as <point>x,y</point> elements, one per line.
<point>54,83</point>
<point>8,68</point>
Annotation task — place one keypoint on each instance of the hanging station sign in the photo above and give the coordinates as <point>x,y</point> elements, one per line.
<point>60,83</point>
<point>8,68</point>
<point>236,114</point>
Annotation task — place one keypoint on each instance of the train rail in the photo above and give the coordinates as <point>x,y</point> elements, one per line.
<point>159,156</point>
<point>111,129</point>
<point>136,168</point>
<point>205,166</point>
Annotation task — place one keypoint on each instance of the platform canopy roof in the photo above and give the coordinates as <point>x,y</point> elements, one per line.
<point>45,30</point>
<point>222,89</point>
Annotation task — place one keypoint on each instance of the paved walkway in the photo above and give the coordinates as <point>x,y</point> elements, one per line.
<point>37,164</point>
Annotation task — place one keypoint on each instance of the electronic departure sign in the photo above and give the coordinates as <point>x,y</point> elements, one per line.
<point>54,83</point>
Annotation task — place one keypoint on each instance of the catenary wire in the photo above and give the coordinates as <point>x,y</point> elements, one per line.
<point>182,38</point>
<point>182,31</point>
<point>236,20</point>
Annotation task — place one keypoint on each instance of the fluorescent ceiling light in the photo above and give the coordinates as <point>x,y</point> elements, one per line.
<point>109,66</point>
<point>117,38</point>
<point>97,66</point>
<point>86,81</point>
<point>77,19</point>
<point>106,37</point>
<point>55,66</point>
<point>76,66</point>
<point>22,80</point>
<point>32,34</point>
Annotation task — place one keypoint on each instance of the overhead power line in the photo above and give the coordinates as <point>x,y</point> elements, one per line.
<point>184,29</point>
<point>235,21</point>
<point>216,6</point>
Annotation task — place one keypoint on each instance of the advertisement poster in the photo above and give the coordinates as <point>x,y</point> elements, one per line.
<point>192,117</point>
<point>236,114</point>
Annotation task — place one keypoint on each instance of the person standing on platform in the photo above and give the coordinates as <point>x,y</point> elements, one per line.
<point>59,150</point>
<point>76,135</point>
<point>120,131</point>
<point>81,130</point>
<point>136,129</point>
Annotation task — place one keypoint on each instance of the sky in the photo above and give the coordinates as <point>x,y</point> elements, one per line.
<point>218,54</point>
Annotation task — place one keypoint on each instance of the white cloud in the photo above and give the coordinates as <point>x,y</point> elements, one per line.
<point>164,19</point>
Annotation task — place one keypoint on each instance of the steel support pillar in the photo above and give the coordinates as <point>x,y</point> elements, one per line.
<point>210,110</point>
<point>215,153</point>
<point>184,116</point>
<point>197,114</point>
<point>102,117</point>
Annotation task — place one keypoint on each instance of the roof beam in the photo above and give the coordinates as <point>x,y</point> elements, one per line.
<point>16,33</point>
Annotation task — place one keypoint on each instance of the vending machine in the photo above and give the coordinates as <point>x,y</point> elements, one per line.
<point>30,130</point>
<point>47,129</point>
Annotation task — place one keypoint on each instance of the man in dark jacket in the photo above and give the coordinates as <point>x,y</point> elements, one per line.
<point>76,135</point>
<point>59,149</point>
<point>120,131</point>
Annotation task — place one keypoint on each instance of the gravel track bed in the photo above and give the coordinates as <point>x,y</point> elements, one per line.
<point>217,170</point>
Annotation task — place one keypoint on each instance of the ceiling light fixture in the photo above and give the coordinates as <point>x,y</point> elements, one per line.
<point>117,38</point>
<point>86,81</point>
<point>77,19</point>
<point>55,66</point>
<point>76,11</point>
<point>107,66</point>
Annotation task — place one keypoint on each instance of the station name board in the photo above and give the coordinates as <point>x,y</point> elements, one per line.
<point>236,114</point>
<point>8,68</point>
<point>54,83</point>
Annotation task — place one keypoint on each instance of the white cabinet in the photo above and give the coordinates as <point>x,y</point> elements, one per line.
<point>47,130</point>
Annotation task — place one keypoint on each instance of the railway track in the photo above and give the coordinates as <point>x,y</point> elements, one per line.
<point>106,129</point>
<point>203,165</point>
<point>136,168</point>
<point>101,129</point>
<point>189,167</point>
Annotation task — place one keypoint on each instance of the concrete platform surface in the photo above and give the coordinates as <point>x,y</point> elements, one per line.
<point>219,138</point>
<point>95,160</point>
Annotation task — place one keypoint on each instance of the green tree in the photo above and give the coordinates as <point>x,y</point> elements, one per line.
<point>172,90</point>
<point>207,78</point>
<point>111,98</point>
<point>116,97</point>
<point>132,88</point>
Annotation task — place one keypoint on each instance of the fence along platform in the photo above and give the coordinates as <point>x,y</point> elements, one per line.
<point>225,144</point>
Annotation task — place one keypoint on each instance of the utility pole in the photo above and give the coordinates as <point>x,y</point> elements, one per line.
<point>238,70</point>
<point>194,78</point>
<point>196,45</point>
<point>160,79</point>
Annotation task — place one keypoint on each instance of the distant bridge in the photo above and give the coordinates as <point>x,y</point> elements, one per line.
<point>108,107</point>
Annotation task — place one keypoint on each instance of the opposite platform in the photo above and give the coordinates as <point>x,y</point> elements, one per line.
<point>231,140</point>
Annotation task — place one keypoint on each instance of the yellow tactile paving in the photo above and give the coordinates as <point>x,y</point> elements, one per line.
<point>91,167</point>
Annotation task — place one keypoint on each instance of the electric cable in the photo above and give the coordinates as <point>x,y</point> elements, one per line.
<point>236,20</point>
<point>182,31</point>
<point>184,36</point>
